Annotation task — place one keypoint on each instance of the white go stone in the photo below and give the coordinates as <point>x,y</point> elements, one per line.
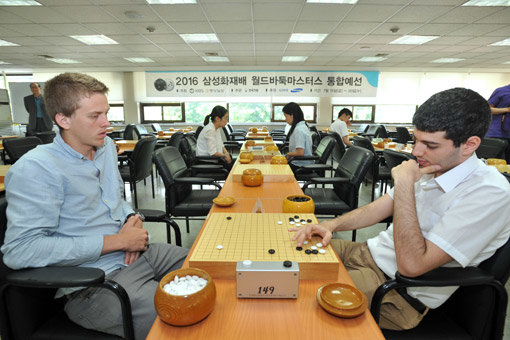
<point>298,224</point>
<point>280,222</point>
<point>313,248</point>
<point>185,285</point>
<point>322,251</point>
<point>305,242</point>
<point>319,245</point>
<point>219,247</point>
<point>291,222</point>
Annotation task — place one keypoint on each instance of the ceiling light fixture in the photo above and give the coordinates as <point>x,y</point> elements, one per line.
<point>200,38</point>
<point>371,59</point>
<point>307,38</point>
<point>487,3</point>
<point>7,43</point>
<point>293,59</point>
<point>64,61</point>
<point>414,39</point>
<point>505,42</point>
<point>216,59</point>
<point>4,63</point>
<point>140,60</point>
<point>446,60</point>
<point>19,3</point>
<point>94,39</point>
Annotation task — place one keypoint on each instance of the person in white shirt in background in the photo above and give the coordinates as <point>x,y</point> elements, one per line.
<point>209,141</point>
<point>340,125</point>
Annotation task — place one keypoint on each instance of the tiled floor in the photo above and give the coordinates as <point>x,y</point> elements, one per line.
<point>158,233</point>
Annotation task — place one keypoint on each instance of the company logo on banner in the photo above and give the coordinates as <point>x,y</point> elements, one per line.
<point>263,83</point>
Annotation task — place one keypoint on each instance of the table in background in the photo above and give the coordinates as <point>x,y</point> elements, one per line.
<point>3,171</point>
<point>300,318</point>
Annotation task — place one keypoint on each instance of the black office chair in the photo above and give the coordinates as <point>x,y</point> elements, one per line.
<point>403,135</point>
<point>141,131</point>
<point>476,310</point>
<point>236,134</point>
<point>17,147</point>
<point>376,131</point>
<point>139,165</point>
<point>156,127</point>
<point>316,139</point>
<point>46,137</point>
<point>176,139</point>
<point>362,128</point>
<point>198,130</point>
<point>393,158</point>
<point>319,156</point>
<point>181,200</point>
<point>339,149</point>
<point>344,195</point>
<point>490,148</point>
<point>203,166</point>
<point>379,171</point>
<point>129,132</point>
<point>28,309</point>
<point>232,144</point>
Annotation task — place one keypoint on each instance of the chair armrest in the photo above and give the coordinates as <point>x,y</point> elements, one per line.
<point>197,180</point>
<point>232,143</point>
<point>315,167</point>
<point>65,277</point>
<point>326,180</point>
<point>303,158</point>
<point>56,277</point>
<point>439,277</point>
<point>209,159</point>
<point>211,168</point>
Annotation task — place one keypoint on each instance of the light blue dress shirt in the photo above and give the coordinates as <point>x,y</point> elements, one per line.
<point>301,139</point>
<point>61,205</point>
<point>38,106</point>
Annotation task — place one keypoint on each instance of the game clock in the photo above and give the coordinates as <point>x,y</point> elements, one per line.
<point>267,279</point>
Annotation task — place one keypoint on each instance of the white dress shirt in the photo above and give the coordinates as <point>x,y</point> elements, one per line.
<point>209,141</point>
<point>340,127</point>
<point>465,212</point>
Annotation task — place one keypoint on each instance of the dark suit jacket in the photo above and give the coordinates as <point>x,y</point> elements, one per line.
<point>31,108</point>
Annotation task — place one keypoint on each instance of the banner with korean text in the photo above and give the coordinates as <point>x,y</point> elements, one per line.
<point>261,83</point>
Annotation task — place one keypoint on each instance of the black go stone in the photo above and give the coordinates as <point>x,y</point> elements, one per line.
<point>315,251</point>
<point>303,220</point>
<point>308,251</point>
<point>229,217</point>
<point>271,251</point>
<point>309,221</point>
<point>287,264</point>
<point>296,217</point>
<point>299,248</point>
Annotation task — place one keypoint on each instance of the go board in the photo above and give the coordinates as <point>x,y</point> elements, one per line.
<point>271,172</point>
<point>248,236</point>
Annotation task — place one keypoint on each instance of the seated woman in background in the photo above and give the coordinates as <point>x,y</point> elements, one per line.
<point>209,141</point>
<point>299,138</point>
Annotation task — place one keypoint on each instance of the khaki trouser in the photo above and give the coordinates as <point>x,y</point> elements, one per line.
<point>396,312</point>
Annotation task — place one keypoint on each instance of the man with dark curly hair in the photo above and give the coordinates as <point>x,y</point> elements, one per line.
<point>449,209</point>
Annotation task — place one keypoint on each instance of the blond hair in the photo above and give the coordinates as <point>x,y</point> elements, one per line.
<point>62,94</point>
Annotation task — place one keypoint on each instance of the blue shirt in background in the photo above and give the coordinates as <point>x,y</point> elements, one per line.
<point>301,139</point>
<point>38,106</point>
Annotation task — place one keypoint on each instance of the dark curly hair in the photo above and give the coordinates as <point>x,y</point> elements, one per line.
<point>460,112</point>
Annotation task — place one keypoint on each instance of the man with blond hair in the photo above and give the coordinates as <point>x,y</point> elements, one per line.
<point>72,190</point>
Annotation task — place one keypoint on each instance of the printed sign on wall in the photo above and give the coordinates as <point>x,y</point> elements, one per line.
<point>261,83</point>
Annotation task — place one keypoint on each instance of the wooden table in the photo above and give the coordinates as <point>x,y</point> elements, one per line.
<point>300,318</point>
<point>125,145</point>
<point>3,171</point>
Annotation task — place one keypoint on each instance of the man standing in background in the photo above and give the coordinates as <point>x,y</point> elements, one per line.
<point>38,120</point>
<point>499,102</point>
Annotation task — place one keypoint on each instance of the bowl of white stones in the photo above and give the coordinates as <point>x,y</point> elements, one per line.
<point>185,296</point>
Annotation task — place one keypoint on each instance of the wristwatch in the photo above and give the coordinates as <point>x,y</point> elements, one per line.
<point>140,215</point>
